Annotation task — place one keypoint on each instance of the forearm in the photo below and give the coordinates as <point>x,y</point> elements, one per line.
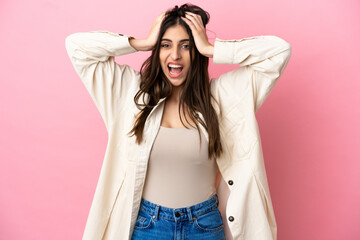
<point>86,47</point>
<point>140,44</point>
<point>252,51</point>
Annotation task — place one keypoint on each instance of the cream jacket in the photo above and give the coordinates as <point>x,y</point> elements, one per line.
<point>244,196</point>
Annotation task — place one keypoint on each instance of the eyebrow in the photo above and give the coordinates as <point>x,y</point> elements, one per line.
<point>182,40</point>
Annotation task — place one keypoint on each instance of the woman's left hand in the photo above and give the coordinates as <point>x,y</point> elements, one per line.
<point>197,28</point>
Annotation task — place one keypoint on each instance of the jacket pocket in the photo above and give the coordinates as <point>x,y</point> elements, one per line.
<point>267,205</point>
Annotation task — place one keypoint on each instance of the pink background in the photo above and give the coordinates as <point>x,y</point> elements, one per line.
<point>53,139</point>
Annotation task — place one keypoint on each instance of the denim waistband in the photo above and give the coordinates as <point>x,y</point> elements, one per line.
<point>179,214</point>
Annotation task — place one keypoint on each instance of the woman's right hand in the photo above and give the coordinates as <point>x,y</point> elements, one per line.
<point>149,42</point>
<point>155,30</point>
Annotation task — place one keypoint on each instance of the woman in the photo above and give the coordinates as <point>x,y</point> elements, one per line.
<point>171,131</point>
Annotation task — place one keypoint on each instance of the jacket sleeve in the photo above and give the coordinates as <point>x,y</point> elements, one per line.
<point>93,56</point>
<point>262,59</point>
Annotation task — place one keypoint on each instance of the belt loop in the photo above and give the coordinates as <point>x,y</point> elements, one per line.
<point>189,214</point>
<point>156,214</point>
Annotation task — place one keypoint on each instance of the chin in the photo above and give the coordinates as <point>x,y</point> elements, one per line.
<point>176,83</point>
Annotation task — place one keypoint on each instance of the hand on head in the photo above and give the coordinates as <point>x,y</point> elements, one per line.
<point>155,30</point>
<point>199,32</point>
<point>195,23</point>
<point>150,41</point>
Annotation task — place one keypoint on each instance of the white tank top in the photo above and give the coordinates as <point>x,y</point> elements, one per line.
<point>179,172</point>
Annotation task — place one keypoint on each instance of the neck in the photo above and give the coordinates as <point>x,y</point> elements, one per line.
<point>175,94</point>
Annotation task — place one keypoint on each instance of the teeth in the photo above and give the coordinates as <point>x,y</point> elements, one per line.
<point>175,66</point>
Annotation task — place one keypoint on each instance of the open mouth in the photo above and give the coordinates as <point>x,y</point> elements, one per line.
<point>175,70</point>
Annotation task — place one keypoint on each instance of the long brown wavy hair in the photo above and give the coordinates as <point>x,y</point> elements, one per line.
<point>195,94</point>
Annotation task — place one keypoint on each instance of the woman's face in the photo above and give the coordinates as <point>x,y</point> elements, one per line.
<point>175,54</point>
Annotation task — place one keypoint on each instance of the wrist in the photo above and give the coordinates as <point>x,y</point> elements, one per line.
<point>209,51</point>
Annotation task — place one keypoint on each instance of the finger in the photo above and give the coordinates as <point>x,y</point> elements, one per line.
<point>161,16</point>
<point>197,18</point>
<point>190,23</point>
<point>192,18</point>
<point>194,26</point>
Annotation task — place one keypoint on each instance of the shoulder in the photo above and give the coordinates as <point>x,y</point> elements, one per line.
<point>232,88</point>
<point>127,69</point>
<point>232,82</point>
<point>128,80</point>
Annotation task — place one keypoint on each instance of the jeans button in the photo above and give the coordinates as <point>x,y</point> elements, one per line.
<point>177,214</point>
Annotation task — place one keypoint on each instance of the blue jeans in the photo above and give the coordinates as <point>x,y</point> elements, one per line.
<point>202,221</point>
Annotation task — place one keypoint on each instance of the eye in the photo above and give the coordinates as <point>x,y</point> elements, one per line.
<point>164,45</point>
<point>186,46</point>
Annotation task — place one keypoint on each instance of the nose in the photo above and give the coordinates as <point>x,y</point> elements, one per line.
<point>175,54</point>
